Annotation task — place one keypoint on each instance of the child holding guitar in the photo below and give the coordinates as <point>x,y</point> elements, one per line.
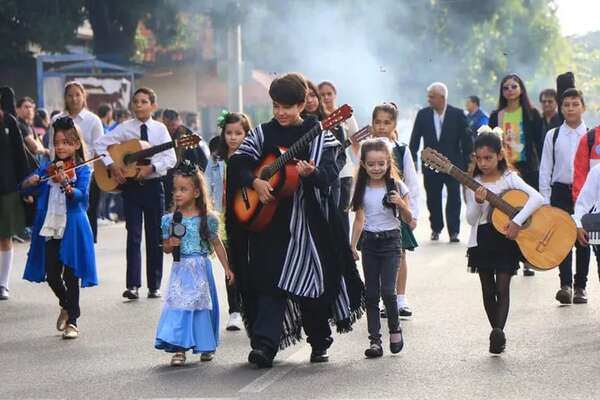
<point>493,256</point>
<point>291,277</point>
<point>143,196</point>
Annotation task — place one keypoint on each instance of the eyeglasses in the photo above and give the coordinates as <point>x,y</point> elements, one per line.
<point>513,87</point>
<point>63,123</point>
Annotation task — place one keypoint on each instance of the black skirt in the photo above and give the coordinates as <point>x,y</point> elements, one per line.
<point>494,252</point>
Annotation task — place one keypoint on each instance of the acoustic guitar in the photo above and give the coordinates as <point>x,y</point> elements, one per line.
<point>279,169</point>
<point>131,154</point>
<point>545,238</point>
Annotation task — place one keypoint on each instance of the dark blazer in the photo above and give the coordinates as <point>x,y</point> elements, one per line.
<point>455,142</point>
<point>534,137</point>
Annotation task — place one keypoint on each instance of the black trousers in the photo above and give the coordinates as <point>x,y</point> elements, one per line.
<point>344,203</point>
<point>433,188</point>
<point>144,205</point>
<point>62,281</point>
<point>233,298</point>
<point>561,197</point>
<point>92,211</point>
<point>266,329</point>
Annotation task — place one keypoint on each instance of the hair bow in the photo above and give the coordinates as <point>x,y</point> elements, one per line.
<point>186,168</point>
<point>221,119</point>
<point>486,129</point>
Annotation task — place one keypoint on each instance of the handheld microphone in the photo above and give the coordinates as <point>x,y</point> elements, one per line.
<point>177,230</point>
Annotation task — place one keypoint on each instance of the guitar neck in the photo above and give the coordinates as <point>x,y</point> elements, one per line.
<point>147,153</point>
<point>494,200</point>
<point>292,152</point>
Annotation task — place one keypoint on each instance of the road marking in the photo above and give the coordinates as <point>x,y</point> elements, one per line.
<point>277,372</point>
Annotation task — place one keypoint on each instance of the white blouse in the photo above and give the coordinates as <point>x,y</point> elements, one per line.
<point>478,214</point>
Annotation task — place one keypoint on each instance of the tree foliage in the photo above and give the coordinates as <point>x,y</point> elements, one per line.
<point>50,24</point>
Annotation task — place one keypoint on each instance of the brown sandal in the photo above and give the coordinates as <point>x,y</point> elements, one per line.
<point>178,359</point>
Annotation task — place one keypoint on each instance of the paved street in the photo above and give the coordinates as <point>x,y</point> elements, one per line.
<point>552,351</point>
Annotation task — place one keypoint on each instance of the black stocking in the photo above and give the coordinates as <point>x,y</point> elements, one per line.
<point>488,290</point>
<point>496,297</point>
<point>502,298</point>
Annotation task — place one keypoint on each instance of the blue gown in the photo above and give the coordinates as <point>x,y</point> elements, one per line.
<point>190,315</point>
<point>77,245</point>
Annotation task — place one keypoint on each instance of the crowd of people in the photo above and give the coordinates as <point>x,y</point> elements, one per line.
<point>285,276</point>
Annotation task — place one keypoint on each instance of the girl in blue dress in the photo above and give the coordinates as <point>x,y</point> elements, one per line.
<point>190,316</point>
<point>62,246</point>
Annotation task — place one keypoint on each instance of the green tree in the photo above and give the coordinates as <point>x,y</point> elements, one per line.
<point>50,24</point>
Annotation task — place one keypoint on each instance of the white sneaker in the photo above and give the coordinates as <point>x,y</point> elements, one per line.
<point>235,322</point>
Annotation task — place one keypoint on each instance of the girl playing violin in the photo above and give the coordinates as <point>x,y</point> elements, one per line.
<point>62,246</point>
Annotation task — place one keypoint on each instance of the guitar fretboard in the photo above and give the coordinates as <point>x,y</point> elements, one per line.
<point>147,153</point>
<point>291,153</point>
<point>494,200</point>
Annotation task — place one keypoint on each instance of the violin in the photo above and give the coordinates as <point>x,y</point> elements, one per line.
<point>63,172</point>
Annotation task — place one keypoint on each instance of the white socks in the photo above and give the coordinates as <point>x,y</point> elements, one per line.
<point>401,300</point>
<point>6,261</point>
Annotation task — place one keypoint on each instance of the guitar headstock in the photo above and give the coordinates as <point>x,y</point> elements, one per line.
<point>188,141</point>
<point>339,115</point>
<point>435,160</point>
<point>360,135</point>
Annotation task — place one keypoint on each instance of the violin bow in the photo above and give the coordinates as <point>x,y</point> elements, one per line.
<point>75,167</point>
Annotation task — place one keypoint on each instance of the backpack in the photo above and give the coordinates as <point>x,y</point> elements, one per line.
<point>399,150</point>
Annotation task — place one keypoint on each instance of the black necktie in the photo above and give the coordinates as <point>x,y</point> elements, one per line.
<point>144,132</point>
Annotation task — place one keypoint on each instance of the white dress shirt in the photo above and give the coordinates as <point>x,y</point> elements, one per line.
<point>130,129</point>
<point>478,214</point>
<point>566,147</point>
<point>589,197</point>
<point>90,126</point>
<point>438,122</point>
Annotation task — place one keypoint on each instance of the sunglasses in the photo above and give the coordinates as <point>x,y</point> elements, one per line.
<point>63,123</point>
<point>513,87</point>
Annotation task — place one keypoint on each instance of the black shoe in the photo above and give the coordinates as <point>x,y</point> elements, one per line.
<point>374,351</point>
<point>154,294</point>
<point>454,238</point>
<point>260,358</point>
<point>319,356</point>
<point>131,293</point>
<point>435,236</point>
<point>398,342</point>
<point>497,341</point>
<point>404,312</point>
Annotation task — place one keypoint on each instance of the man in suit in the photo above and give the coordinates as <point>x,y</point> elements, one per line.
<point>443,128</point>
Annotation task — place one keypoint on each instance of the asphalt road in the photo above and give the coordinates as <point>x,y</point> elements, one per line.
<point>552,351</point>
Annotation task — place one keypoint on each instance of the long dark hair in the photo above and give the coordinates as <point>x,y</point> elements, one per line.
<point>362,178</point>
<point>202,202</point>
<point>231,118</point>
<point>494,143</point>
<point>320,113</point>
<point>524,100</point>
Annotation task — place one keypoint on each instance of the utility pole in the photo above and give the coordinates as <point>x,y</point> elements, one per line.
<point>235,96</point>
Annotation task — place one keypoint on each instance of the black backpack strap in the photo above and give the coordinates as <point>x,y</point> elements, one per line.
<point>554,139</point>
<point>591,138</point>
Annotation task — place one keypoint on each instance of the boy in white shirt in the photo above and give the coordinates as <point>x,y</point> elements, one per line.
<point>556,183</point>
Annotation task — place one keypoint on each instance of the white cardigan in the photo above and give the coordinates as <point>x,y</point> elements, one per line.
<point>477,214</point>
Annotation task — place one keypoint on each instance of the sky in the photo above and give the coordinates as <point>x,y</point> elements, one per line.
<point>578,17</point>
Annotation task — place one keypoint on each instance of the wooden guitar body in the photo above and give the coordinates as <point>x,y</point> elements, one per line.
<point>106,182</point>
<point>546,237</point>
<point>247,206</point>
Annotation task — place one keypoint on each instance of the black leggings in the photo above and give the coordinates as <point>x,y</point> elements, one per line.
<point>496,296</point>
<point>62,281</point>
